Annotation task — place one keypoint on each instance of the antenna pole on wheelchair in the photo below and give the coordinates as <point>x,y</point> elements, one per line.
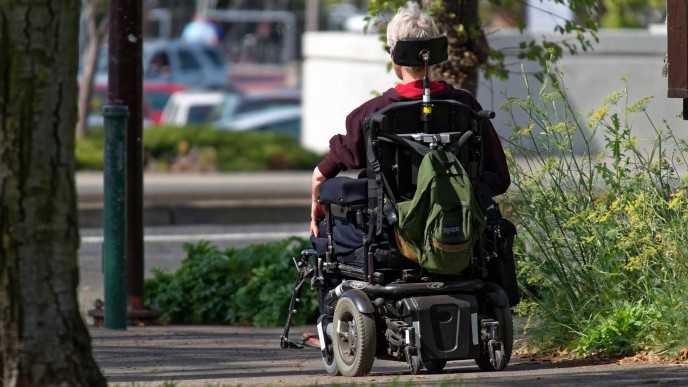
<point>427,107</point>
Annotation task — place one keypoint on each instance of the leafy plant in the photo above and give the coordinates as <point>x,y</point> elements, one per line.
<point>603,232</point>
<point>248,286</point>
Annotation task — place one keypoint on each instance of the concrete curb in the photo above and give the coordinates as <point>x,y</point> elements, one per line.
<point>213,199</point>
<point>179,214</point>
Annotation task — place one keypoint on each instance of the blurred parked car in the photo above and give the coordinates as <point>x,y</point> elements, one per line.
<point>156,95</point>
<point>99,98</point>
<point>275,119</point>
<point>258,101</point>
<point>193,65</point>
<point>195,107</point>
<point>174,61</point>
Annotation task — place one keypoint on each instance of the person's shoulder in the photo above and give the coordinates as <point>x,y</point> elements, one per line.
<point>461,95</point>
<point>380,101</point>
<point>457,92</point>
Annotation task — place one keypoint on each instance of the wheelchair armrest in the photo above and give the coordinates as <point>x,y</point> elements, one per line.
<point>344,191</point>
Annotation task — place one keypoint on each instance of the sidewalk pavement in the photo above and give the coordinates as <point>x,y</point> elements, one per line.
<point>206,198</point>
<point>216,355</point>
<point>178,355</point>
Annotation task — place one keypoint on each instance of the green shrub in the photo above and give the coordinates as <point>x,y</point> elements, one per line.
<point>220,150</point>
<point>603,233</point>
<point>89,152</point>
<point>247,286</point>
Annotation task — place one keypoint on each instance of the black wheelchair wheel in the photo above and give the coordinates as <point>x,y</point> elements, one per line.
<point>353,339</point>
<point>435,365</point>
<point>501,314</point>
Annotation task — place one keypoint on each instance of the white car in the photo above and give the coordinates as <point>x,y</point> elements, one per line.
<point>198,107</point>
<point>195,107</point>
<point>275,119</point>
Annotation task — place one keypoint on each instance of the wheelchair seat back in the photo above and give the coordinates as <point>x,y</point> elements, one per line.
<point>450,120</point>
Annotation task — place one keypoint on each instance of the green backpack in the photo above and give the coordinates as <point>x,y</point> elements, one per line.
<point>439,225</point>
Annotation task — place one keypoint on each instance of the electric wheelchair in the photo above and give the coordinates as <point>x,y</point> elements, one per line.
<point>374,301</point>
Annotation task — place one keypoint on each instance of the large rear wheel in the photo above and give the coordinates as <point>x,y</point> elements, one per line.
<point>434,365</point>
<point>353,339</point>
<point>501,314</point>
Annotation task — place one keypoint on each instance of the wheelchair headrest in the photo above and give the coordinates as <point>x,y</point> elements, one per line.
<point>407,52</point>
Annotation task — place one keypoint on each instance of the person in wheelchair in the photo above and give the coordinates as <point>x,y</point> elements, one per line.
<point>347,150</point>
<point>375,300</point>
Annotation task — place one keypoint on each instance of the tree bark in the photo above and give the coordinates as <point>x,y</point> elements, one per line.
<point>468,47</point>
<point>43,337</point>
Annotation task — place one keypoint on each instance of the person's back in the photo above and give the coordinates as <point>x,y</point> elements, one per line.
<point>346,149</point>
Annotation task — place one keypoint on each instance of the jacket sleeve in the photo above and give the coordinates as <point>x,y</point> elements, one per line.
<point>495,159</point>
<point>347,151</point>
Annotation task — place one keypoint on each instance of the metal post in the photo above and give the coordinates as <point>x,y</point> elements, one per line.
<point>114,217</point>
<point>125,86</point>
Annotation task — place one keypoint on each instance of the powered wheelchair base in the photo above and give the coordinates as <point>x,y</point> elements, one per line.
<point>423,322</point>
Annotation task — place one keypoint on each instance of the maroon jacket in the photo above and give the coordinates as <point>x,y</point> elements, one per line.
<point>347,151</point>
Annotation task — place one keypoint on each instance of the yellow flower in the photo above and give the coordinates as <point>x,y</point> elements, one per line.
<point>676,198</point>
<point>674,201</point>
<point>599,115</point>
<point>603,217</point>
<point>525,131</point>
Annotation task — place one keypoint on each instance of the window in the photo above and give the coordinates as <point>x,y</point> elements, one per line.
<point>187,61</point>
<point>214,56</point>
<point>200,113</point>
<point>159,65</point>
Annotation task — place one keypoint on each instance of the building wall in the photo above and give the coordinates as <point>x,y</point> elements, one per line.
<point>342,70</point>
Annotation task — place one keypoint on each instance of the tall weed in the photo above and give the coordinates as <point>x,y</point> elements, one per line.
<point>602,232</point>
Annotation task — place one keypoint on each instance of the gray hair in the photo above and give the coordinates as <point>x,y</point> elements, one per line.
<point>410,22</point>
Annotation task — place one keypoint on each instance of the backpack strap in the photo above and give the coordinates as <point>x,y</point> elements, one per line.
<point>376,183</point>
<point>456,146</point>
<point>422,150</point>
<point>419,148</point>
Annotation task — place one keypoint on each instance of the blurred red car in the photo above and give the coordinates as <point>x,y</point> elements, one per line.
<point>155,96</point>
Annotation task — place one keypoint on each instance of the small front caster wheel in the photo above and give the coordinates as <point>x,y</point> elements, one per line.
<point>415,365</point>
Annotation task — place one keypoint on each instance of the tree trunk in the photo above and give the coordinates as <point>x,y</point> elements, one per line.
<point>43,337</point>
<point>468,47</point>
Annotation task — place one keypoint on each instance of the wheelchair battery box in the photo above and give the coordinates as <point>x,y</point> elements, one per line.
<point>445,326</point>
